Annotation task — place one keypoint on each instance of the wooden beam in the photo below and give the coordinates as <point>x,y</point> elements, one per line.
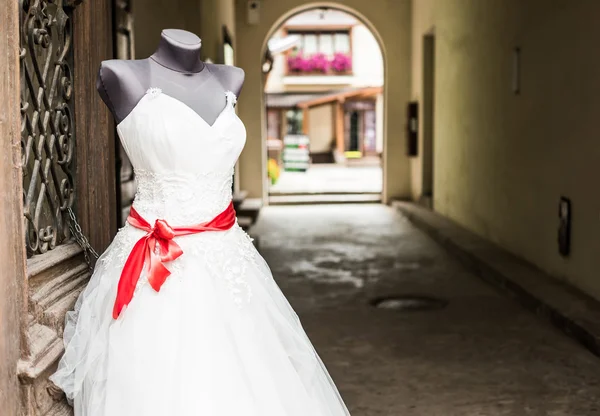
<point>317,28</point>
<point>366,95</point>
<point>341,96</point>
<point>12,246</point>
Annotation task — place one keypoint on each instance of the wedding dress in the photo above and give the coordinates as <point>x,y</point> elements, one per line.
<point>216,336</point>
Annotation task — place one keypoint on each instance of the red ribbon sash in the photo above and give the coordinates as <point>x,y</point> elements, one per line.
<point>158,247</point>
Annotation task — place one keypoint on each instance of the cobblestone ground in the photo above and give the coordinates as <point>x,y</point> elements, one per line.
<point>482,354</point>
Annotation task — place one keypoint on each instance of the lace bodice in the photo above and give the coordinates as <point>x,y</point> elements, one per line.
<point>184,170</point>
<point>183,165</point>
<point>182,198</point>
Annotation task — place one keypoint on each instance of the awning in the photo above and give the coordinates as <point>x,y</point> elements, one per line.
<point>305,100</point>
<point>340,95</point>
<point>279,45</point>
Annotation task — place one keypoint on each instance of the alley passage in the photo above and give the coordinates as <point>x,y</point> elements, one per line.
<point>482,354</point>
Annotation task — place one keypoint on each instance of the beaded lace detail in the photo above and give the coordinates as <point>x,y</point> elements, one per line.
<point>228,255</point>
<point>231,97</point>
<point>153,91</point>
<point>183,199</point>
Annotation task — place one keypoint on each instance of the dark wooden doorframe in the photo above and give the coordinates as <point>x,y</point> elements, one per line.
<point>428,115</point>
<point>12,250</point>
<point>61,109</point>
<point>124,48</point>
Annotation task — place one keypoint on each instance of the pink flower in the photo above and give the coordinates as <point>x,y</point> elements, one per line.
<point>319,62</point>
<point>341,62</point>
<point>297,63</point>
<point>306,65</point>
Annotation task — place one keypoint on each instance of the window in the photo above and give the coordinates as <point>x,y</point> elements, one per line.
<point>310,44</point>
<point>342,42</point>
<point>326,52</point>
<point>326,42</point>
<point>294,121</point>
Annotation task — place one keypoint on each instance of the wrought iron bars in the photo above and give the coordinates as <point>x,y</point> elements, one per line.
<point>47,128</point>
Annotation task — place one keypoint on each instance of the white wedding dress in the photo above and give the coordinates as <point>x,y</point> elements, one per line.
<point>219,338</point>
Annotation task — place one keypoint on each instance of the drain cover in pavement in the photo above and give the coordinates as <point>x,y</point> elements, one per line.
<point>409,303</point>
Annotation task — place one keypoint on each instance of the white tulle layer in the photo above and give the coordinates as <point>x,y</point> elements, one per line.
<point>220,339</point>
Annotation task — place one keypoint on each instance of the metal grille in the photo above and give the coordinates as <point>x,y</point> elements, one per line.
<point>47,128</point>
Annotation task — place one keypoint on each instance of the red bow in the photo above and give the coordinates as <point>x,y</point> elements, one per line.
<point>158,247</point>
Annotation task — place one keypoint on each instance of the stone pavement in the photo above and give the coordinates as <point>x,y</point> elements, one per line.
<point>566,307</point>
<point>483,354</point>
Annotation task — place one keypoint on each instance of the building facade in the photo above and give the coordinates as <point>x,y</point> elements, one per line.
<point>326,81</point>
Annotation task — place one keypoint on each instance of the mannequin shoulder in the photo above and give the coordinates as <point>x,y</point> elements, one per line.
<point>116,72</point>
<point>232,71</point>
<point>231,77</point>
<point>112,70</point>
<point>120,85</point>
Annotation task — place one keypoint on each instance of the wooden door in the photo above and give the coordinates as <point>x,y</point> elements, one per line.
<point>66,177</point>
<point>360,126</point>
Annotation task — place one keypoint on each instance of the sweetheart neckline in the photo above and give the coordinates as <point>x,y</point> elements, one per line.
<point>150,91</point>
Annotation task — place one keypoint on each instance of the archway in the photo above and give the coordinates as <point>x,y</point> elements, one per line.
<point>390,23</point>
<point>323,85</point>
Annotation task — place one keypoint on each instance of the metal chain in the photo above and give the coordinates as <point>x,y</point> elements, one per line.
<point>82,239</point>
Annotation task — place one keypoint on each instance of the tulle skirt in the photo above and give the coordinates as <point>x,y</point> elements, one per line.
<point>219,339</point>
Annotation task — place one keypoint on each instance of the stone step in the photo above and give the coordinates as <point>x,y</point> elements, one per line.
<point>250,208</point>
<point>53,290</point>
<point>55,287</point>
<point>245,222</point>
<point>40,265</point>
<point>45,349</point>
<point>317,193</point>
<point>60,409</point>
<point>324,199</point>
<point>239,197</point>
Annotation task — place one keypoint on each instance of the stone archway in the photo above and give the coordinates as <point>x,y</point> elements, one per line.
<point>389,22</point>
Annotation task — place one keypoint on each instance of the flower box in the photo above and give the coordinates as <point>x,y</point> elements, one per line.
<point>341,63</point>
<point>319,64</point>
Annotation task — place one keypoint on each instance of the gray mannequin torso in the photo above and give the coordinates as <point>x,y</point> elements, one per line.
<point>177,70</point>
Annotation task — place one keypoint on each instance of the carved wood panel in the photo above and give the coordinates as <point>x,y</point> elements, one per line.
<point>47,127</point>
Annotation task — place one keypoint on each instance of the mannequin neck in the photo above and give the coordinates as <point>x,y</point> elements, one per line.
<point>179,51</point>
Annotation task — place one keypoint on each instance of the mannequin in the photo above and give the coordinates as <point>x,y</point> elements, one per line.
<point>175,67</point>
